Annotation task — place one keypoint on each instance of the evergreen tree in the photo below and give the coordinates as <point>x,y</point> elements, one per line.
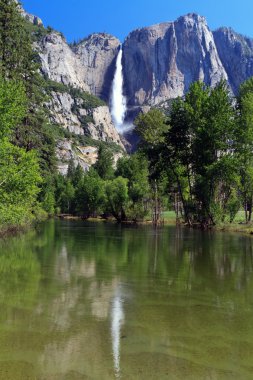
<point>19,170</point>
<point>18,61</point>
<point>16,55</point>
<point>117,199</point>
<point>135,169</point>
<point>104,164</point>
<point>196,151</point>
<point>244,146</point>
<point>207,156</point>
<point>13,106</point>
<point>90,195</point>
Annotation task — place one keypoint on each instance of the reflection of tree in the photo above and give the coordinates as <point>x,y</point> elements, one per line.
<point>186,259</point>
<point>19,272</point>
<point>174,281</point>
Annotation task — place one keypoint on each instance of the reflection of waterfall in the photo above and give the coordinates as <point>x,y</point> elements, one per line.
<point>118,100</point>
<point>117,321</point>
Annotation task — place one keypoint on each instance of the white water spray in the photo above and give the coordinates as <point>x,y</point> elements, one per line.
<point>118,100</point>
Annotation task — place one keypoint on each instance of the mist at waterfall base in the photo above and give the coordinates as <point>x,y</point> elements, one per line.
<point>118,100</point>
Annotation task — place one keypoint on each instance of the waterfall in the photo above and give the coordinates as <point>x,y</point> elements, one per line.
<point>118,100</point>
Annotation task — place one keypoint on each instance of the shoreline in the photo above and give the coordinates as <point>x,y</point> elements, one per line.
<point>242,228</point>
<point>245,229</point>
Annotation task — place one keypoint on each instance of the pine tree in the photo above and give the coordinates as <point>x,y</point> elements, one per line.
<point>17,59</point>
<point>104,164</point>
<point>19,62</point>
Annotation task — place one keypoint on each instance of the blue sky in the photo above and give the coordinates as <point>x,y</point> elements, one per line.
<point>78,18</point>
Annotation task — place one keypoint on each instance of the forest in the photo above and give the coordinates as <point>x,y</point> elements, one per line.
<point>194,157</point>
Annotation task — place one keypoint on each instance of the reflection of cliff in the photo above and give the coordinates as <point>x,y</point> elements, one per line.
<point>185,258</point>
<point>81,355</point>
<point>84,300</point>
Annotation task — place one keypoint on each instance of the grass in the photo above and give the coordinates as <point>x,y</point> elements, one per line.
<point>238,225</point>
<point>169,217</point>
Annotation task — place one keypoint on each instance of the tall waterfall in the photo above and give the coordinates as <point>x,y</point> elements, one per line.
<point>118,100</point>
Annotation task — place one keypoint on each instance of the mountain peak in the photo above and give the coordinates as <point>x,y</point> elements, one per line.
<point>35,20</point>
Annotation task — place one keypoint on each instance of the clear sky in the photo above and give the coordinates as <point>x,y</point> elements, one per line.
<point>79,18</point>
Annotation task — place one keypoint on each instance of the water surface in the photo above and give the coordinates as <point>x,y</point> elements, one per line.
<point>101,301</point>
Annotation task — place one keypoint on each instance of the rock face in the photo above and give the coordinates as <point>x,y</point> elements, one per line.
<point>102,127</point>
<point>236,54</point>
<point>88,65</point>
<point>59,63</point>
<point>161,61</point>
<point>97,54</point>
<point>74,116</point>
<point>29,17</point>
<point>67,151</point>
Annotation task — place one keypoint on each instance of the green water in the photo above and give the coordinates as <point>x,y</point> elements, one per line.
<point>99,301</point>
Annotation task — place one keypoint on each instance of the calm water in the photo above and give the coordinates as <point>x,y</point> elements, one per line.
<point>100,301</point>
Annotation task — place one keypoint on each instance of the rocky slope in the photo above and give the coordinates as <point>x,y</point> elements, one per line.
<point>88,65</point>
<point>59,63</point>
<point>161,61</point>
<point>29,17</point>
<point>71,115</point>
<point>85,120</point>
<point>97,54</point>
<point>236,54</point>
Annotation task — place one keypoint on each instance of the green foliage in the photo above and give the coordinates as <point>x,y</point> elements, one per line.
<point>117,198</point>
<point>89,101</point>
<point>67,197</point>
<point>37,32</point>
<point>51,85</point>
<point>87,140</point>
<point>13,105</point>
<point>90,195</point>
<point>196,151</point>
<point>19,180</point>
<point>23,118</point>
<point>244,146</point>
<point>135,170</point>
<point>76,175</point>
<point>19,175</point>
<point>16,55</point>
<point>151,127</point>
<point>104,164</point>
<point>48,202</point>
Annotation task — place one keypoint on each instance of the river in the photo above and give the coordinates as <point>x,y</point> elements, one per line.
<point>102,301</point>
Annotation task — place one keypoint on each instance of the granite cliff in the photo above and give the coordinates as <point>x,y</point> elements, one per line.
<point>72,75</point>
<point>97,54</point>
<point>236,54</point>
<point>159,63</point>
